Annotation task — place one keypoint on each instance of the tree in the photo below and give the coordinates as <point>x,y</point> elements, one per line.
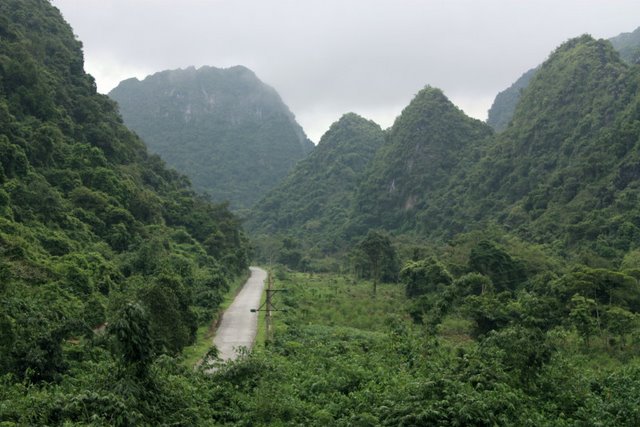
<point>421,277</point>
<point>133,340</point>
<point>380,256</point>
<point>488,259</point>
<point>473,284</point>
<point>620,322</point>
<point>582,316</point>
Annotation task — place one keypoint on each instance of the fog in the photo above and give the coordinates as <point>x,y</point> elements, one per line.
<point>328,57</point>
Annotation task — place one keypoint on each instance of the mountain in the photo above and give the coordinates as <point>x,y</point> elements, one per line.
<point>314,201</point>
<point>424,147</point>
<point>565,166</point>
<point>564,173</point>
<point>628,44</point>
<point>230,133</point>
<point>501,111</point>
<point>94,231</point>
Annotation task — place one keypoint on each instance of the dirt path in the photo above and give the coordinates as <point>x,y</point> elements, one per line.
<point>239,325</point>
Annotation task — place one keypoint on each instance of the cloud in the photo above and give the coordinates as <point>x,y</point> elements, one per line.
<point>328,57</point>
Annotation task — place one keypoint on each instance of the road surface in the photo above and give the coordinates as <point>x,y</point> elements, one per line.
<point>239,325</point>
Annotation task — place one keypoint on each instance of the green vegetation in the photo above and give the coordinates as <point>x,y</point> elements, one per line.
<point>226,130</point>
<point>108,260</point>
<point>503,107</point>
<point>505,267</point>
<point>424,148</point>
<point>312,204</point>
<point>341,357</point>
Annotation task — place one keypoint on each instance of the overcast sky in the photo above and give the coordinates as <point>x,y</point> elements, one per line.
<point>329,57</point>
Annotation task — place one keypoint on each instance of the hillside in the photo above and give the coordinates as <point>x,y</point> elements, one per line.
<point>564,170</point>
<point>94,233</point>
<point>230,133</point>
<point>628,44</point>
<point>563,174</point>
<point>314,201</point>
<point>423,149</point>
<point>504,105</point>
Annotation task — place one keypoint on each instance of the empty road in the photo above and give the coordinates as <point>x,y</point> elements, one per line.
<point>239,325</point>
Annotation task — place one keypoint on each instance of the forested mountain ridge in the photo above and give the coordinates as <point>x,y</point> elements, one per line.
<point>93,230</point>
<point>224,128</point>
<point>423,148</point>
<point>565,169</point>
<point>564,174</point>
<point>315,200</point>
<point>504,105</point>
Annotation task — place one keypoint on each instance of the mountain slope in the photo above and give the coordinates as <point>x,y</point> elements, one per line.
<point>501,111</point>
<point>565,170</point>
<point>565,173</point>
<point>423,149</point>
<point>313,202</point>
<point>90,223</point>
<point>504,105</point>
<point>628,44</point>
<point>225,129</point>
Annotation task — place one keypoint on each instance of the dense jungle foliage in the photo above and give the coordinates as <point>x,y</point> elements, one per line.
<point>94,232</point>
<point>564,174</point>
<point>315,200</point>
<point>478,278</point>
<point>463,353</point>
<point>230,133</point>
<point>423,149</point>
<point>504,105</point>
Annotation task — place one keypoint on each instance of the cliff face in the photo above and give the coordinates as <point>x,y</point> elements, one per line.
<point>230,133</point>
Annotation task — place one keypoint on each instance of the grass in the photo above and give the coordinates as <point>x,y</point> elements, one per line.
<point>192,354</point>
<point>261,333</point>
<point>338,301</point>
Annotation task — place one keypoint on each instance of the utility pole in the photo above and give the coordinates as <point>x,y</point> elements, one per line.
<point>268,307</point>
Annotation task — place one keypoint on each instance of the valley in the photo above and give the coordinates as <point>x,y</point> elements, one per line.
<point>442,271</point>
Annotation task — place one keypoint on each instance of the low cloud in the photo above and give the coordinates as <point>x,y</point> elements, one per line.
<point>328,57</point>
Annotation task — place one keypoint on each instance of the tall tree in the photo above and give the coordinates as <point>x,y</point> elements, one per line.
<point>379,254</point>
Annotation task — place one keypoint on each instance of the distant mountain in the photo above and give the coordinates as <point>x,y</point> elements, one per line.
<point>501,111</point>
<point>314,201</point>
<point>566,172</point>
<point>230,133</point>
<point>628,44</point>
<point>423,150</point>
<point>567,169</point>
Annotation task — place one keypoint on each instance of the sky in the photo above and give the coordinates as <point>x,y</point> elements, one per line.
<point>329,57</point>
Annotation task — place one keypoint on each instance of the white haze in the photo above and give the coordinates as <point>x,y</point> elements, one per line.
<point>329,57</point>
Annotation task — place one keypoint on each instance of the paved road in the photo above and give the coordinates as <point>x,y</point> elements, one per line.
<point>239,326</point>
